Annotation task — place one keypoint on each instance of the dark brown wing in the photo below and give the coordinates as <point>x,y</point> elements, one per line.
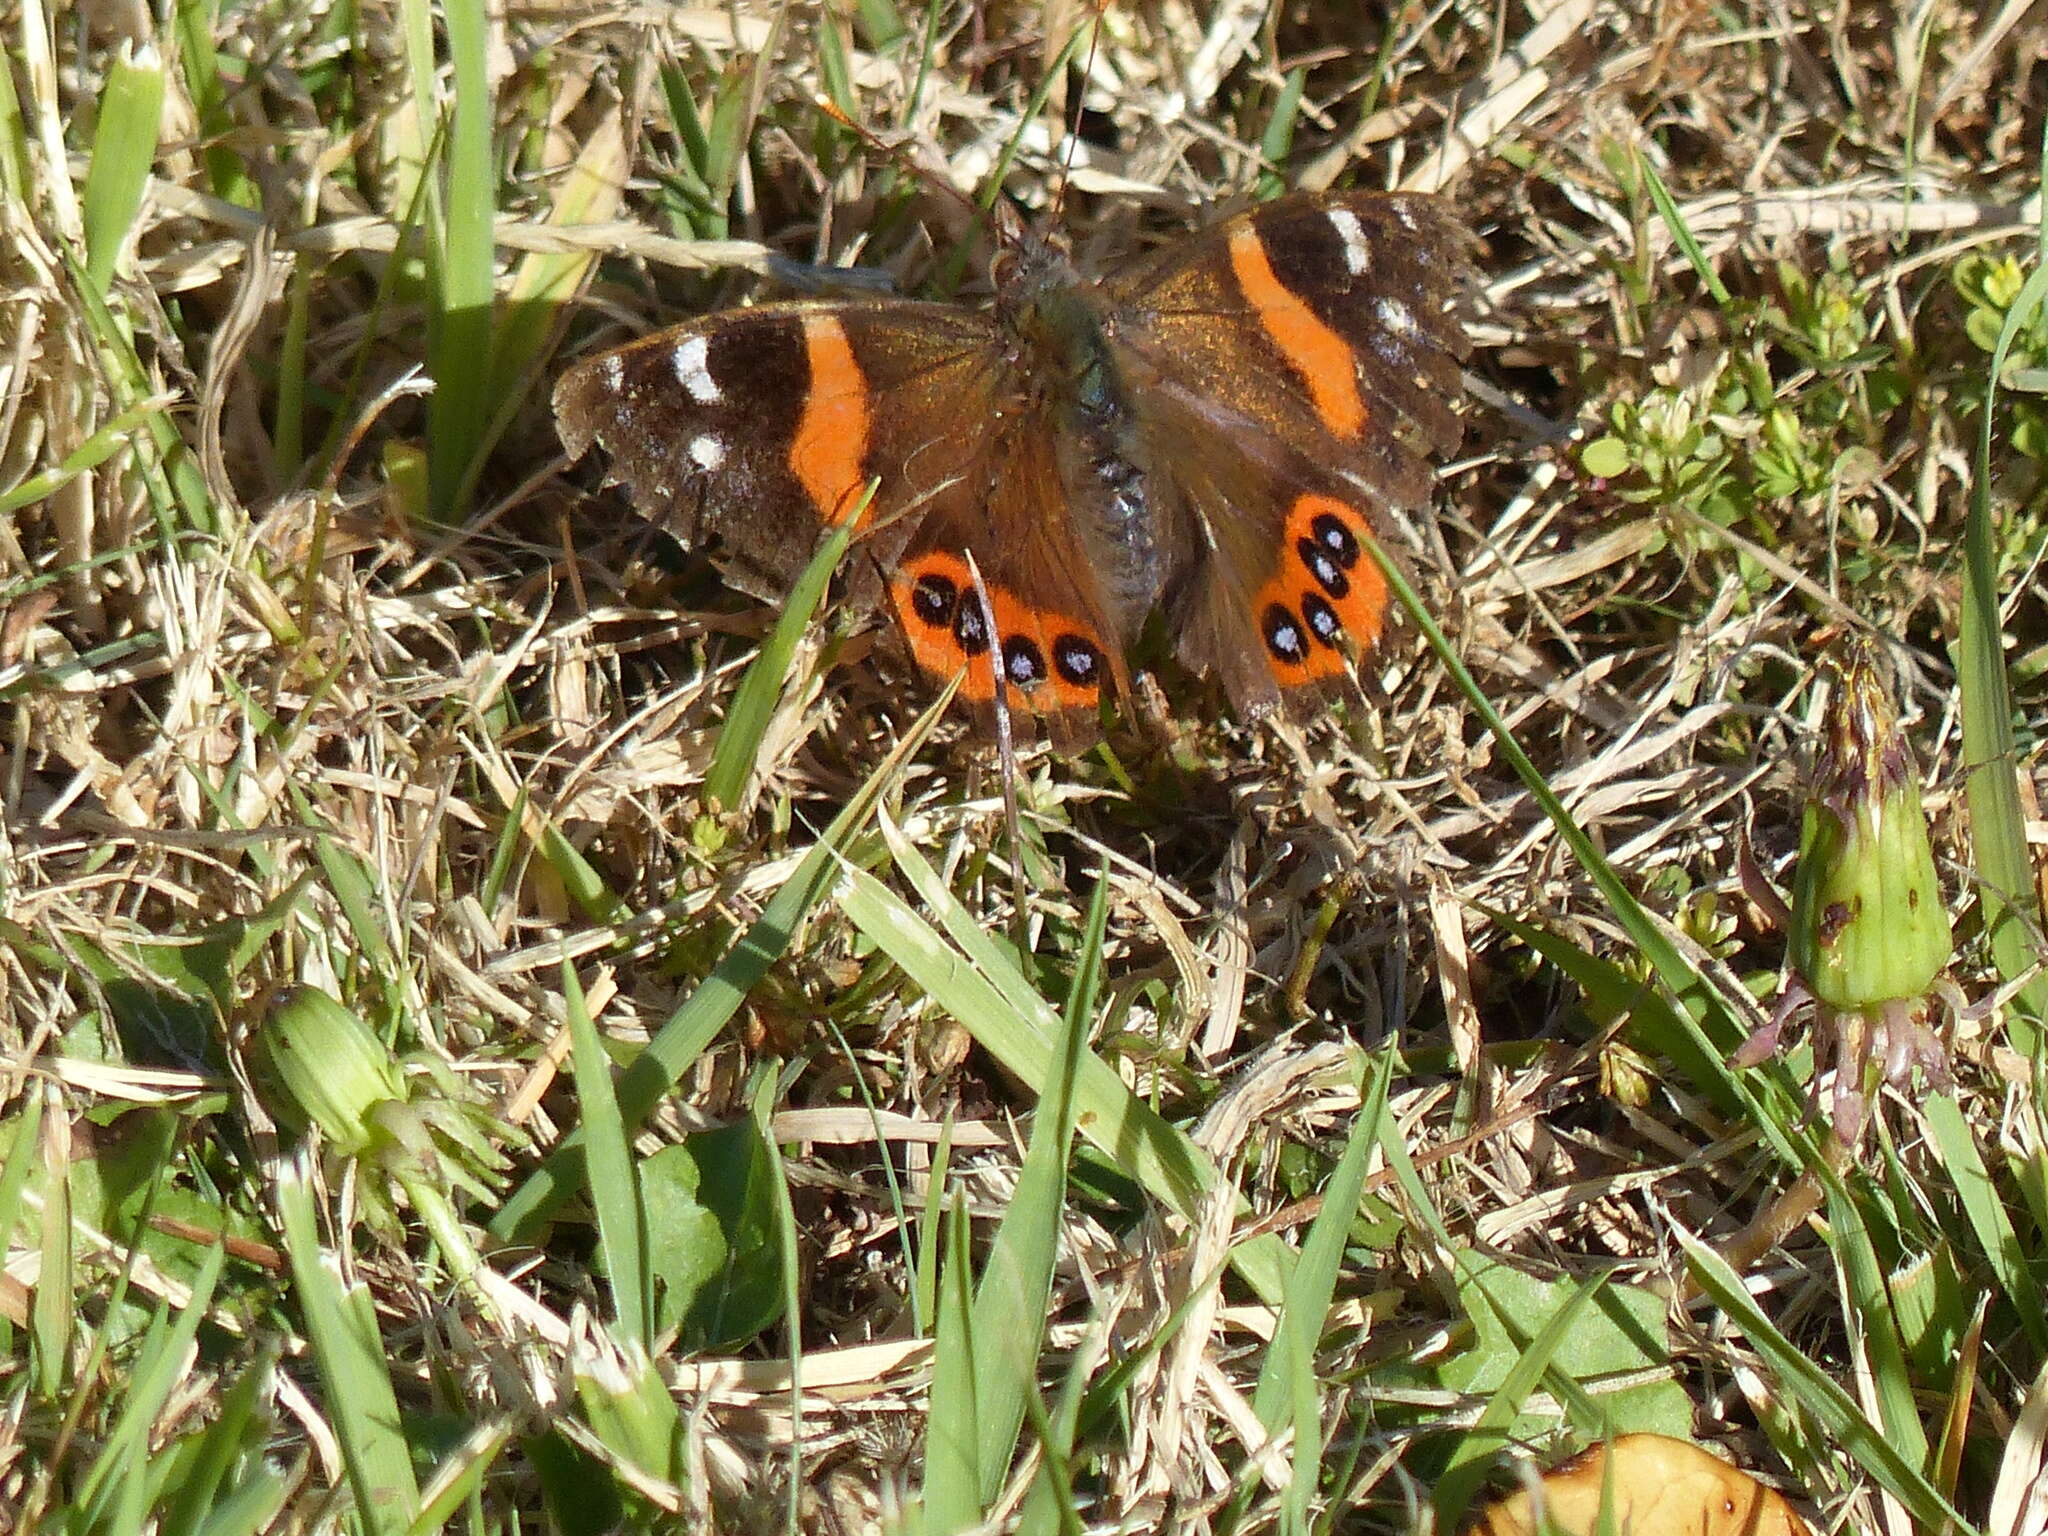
<point>1293,369</point>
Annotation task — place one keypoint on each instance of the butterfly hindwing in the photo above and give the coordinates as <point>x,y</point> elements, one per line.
<point>1011,519</point>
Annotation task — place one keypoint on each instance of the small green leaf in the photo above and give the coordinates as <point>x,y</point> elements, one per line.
<point>735,1185</point>
<point>685,1245</point>
<point>1606,458</point>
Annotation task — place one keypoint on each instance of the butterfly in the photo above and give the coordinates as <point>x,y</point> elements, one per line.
<point>1212,432</point>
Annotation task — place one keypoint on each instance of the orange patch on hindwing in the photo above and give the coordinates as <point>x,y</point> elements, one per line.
<point>830,448</point>
<point>1328,585</point>
<point>1320,356</point>
<point>1050,662</point>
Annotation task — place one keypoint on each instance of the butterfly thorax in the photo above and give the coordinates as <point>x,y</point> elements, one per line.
<point>1060,329</point>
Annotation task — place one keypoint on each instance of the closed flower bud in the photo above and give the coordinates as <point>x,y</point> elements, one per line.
<point>332,1070</point>
<point>1868,922</point>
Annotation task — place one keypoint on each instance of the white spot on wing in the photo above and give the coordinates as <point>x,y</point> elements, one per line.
<point>613,371</point>
<point>693,370</point>
<point>1396,316</point>
<point>1357,256</point>
<point>706,452</point>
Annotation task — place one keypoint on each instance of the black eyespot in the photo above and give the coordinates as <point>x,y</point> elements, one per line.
<point>932,597</point>
<point>1023,663</point>
<point>1077,661</point>
<point>1322,564</point>
<point>1323,622</point>
<point>968,627</point>
<point>1331,533</point>
<point>1283,634</point>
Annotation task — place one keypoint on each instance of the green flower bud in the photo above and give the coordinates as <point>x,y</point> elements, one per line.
<point>332,1069</point>
<point>1868,923</point>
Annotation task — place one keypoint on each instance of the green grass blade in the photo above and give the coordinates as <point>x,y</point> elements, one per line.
<point>1701,1003</point>
<point>694,1025</point>
<point>1016,1278</point>
<point>194,21</point>
<point>250,1506</point>
<point>733,106</point>
<point>924,1298</point>
<point>1816,1391</point>
<point>170,475</point>
<point>1674,220</point>
<point>1760,1097</point>
<point>1956,1145</point>
<point>196,1502</point>
<point>52,1317</point>
<point>348,1356</point>
<point>459,1479</point>
<point>158,1367</point>
<point>791,1271</point>
<point>975,980</point>
<point>24,1150</point>
<point>1288,1390</point>
<point>614,1184</point>
<point>355,888</point>
<point>753,705</point>
<point>992,185</point>
<point>108,440</point>
<point>952,1480</point>
<point>835,69</point>
<point>1278,137</point>
<point>2004,864</point>
<point>543,283</point>
<point>626,1406</point>
<point>17,174</point>
<point>1465,1470</point>
<point>880,26</point>
<point>123,150</point>
<point>460,339</point>
<point>1870,1303</point>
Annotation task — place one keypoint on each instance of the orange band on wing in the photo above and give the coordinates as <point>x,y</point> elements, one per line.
<point>933,645</point>
<point>831,443</point>
<point>1314,351</point>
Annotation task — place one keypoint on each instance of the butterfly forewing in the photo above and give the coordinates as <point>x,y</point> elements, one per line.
<point>763,426</point>
<point>1321,321</point>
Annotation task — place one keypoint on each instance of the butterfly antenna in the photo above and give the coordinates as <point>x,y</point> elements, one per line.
<point>1070,121</point>
<point>897,156</point>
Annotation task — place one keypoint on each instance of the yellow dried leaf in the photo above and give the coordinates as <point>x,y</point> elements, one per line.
<point>1659,1487</point>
